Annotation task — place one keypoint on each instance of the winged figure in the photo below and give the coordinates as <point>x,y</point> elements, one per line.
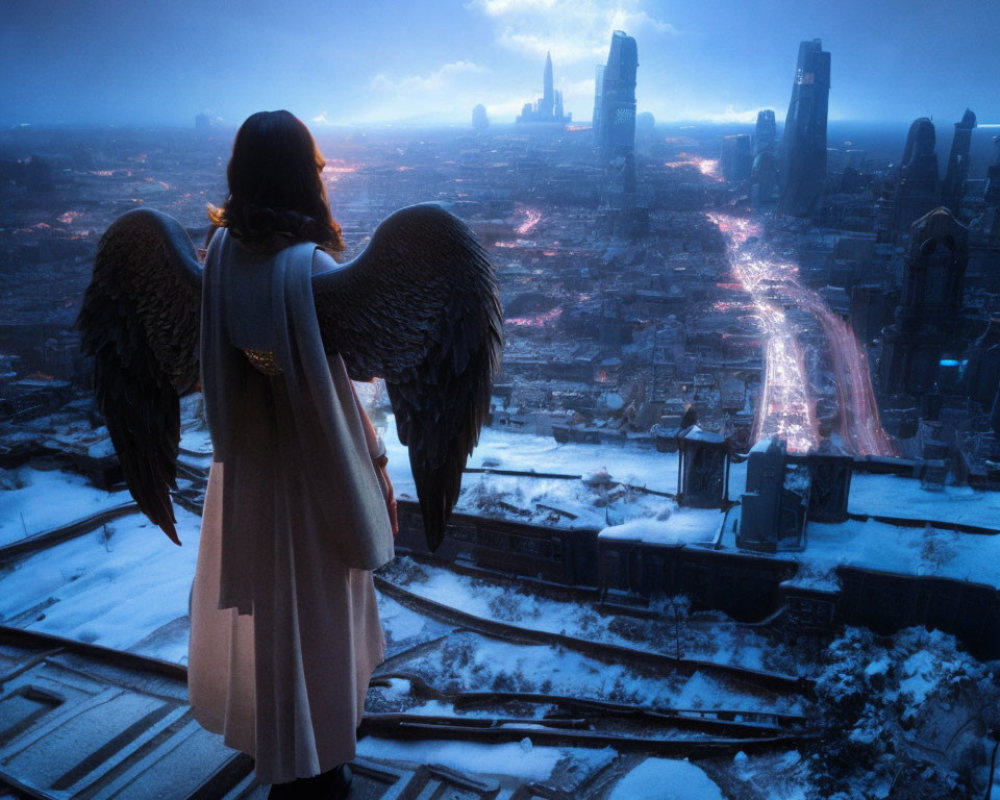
<point>419,307</point>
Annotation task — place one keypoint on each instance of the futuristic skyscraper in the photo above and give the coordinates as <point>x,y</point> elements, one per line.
<point>764,174</point>
<point>928,316</point>
<point>615,124</point>
<point>917,191</point>
<point>803,171</point>
<point>953,189</point>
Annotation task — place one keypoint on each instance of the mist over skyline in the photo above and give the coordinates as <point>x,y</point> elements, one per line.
<point>381,62</point>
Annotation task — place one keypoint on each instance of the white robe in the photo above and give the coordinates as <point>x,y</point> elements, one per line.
<point>284,634</point>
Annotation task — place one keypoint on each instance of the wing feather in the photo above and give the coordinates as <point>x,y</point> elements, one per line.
<point>140,320</point>
<point>420,308</point>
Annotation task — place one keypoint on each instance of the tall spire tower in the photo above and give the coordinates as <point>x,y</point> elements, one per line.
<point>958,164</point>
<point>804,158</point>
<point>549,107</point>
<point>547,103</point>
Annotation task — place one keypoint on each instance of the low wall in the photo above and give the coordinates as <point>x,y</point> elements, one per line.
<point>747,587</point>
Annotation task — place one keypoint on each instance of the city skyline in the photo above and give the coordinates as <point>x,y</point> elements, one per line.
<point>120,63</point>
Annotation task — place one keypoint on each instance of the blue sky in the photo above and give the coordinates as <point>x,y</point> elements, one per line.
<point>147,61</point>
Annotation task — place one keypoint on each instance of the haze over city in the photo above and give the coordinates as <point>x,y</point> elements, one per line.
<point>431,63</point>
<point>730,530</point>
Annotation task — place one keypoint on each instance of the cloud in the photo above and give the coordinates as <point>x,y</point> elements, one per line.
<point>702,113</point>
<point>572,30</point>
<point>448,93</point>
<point>442,79</point>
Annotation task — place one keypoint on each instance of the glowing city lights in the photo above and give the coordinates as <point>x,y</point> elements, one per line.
<point>532,216</point>
<point>787,407</point>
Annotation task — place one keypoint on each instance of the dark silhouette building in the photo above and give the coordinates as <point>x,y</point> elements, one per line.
<point>928,318</point>
<point>737,157</point>
<point>765,133</point>
<point>982,370</point>
<point>992,198</point>
<point>614,129</point>
<point>917,190</point>
<point>953,189</point>
<point>764,183</point>
<point>803,172</point>
<point>614,125</point>
<point>993,176</point>
<point>549,107</point>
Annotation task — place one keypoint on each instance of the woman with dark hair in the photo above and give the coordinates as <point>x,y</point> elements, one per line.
<point>284,624</point>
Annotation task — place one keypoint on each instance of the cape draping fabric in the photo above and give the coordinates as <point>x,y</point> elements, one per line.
<point>262,302</point>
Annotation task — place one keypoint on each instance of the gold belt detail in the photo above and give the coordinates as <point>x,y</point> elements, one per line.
<point>263,361</point>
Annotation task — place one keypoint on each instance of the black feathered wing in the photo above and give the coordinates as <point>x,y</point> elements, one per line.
<point>420,308</point>
<point>141,320</point>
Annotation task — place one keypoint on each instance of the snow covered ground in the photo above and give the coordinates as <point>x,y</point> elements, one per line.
<point>137,563</point>
<point>34,501</point>
<point>127,587</point>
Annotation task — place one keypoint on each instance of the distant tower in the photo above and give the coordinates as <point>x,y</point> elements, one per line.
<point>928,317</point>
<point>599,101</point>
<point>547,103</point>
<point>764,186</point>
<point>803,172</point>
<point>992,198</point>
<point>480,121</point>
<point>616,135</point>
<point>549,107</point>
<point>737,157</point>
<point>958,163</point>
<point>993,176</point>
<point>917,192</point>
<point>765,135</point>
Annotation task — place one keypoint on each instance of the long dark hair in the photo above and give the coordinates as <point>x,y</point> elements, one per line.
<point>276,193</point>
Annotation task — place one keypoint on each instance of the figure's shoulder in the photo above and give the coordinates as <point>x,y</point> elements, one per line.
<point>322,261</point>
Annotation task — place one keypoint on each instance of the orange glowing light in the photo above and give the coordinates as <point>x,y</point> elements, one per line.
<point>709,167</point>
<point>532,216</point>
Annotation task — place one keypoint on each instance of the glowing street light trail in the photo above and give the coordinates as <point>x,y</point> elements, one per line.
<point>786,407</point>
<point>532,216</point>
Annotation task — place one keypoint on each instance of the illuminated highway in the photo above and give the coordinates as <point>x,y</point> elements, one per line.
<point>787,406</point>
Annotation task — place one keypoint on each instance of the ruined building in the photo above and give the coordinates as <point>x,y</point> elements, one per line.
<point>803,171</point>
<point>928,317</point>
<point>953,189</point>
<point>548,107</point>
<point>614,125</point>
